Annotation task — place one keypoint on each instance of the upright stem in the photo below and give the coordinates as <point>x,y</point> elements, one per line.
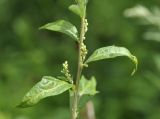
<point>80,62</point>
<point>79,71</point>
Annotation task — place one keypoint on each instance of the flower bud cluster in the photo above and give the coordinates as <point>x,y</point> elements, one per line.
<point>66,72</point>
<point>86,25</point>
<point>84,51</point>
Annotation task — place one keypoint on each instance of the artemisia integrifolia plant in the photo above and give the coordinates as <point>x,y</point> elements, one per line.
<point>79,87</point>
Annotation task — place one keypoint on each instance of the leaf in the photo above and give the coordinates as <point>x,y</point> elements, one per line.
<point>83,100</point>
<point>87,87</point>
<point>76,9</point>
<point>152,35</point>
<point>83,2</point>
<point>79,8</point>
<point>62,26</point>
<point>112,52</point>
<point>48,86</point>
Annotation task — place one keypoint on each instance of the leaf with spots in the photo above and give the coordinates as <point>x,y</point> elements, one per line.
<point>48,86</point>
<point>112,52</point>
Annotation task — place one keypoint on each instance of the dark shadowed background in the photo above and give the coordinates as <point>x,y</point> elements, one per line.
<point>27,54</point>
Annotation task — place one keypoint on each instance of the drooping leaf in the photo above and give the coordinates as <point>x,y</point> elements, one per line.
<point>62,26</point>
<point>87,89</point>
<point>112,52</point>
<point>48,86</point>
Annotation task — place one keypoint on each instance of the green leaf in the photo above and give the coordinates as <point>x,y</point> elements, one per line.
<point>112,52</point>
<point>83,2</point>
<point>76,9</point>
<point>48,86</point>
<point>87,87</point>
<point>79,8</point>
<point>62,26</point>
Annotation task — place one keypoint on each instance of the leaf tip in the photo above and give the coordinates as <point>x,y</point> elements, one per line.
<point>135,60</point>
<point>40,28</point>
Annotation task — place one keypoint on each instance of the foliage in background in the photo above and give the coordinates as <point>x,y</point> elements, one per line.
<point>151,19</point>
<point>27,54</point>
<point>148,18</point>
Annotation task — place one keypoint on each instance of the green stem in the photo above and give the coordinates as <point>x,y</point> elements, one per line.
<point>79,71</point>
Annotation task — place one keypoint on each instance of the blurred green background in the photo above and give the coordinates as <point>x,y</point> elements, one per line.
<point>27,54</point>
